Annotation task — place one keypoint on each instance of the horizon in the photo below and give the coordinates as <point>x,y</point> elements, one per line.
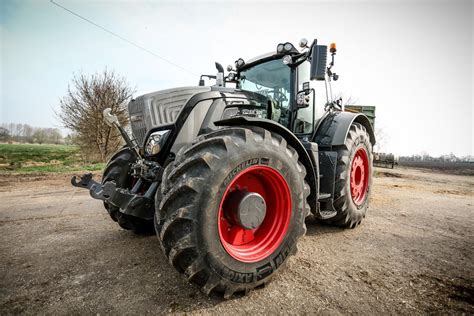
<point>417,73</point>
<point>64,132</point>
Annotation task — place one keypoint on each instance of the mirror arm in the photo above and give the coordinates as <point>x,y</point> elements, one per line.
<point>300,61</point>
<point>112,120</point>
<point>127,139</point>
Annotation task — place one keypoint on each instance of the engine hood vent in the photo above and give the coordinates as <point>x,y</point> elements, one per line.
<point>158,109</point>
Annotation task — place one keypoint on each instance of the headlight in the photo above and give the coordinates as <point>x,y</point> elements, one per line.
<point>239,63</point>
<point>155,142</point>
<point>287,59</point>
<point>280,48</point>
<point>285,48</point>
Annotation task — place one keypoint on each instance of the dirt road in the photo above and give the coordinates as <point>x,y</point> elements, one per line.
<point>414,253</point>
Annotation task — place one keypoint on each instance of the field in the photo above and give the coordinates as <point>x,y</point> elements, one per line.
<point>25,158</point>
<point>412,254</point>
<point>463,168</point>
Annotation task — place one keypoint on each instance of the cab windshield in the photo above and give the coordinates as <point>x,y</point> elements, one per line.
<point>271,79</point>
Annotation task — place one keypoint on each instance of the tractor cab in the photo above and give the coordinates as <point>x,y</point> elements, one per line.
<point>293,81</point>
<point>281,83</point>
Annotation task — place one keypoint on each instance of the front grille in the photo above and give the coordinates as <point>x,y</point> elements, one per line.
<point>137,119</point>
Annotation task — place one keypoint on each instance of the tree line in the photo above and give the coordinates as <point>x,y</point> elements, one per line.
<point>24,133</point>
<point>425,157</point>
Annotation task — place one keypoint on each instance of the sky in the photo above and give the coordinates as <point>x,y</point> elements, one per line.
<point>413,60</point>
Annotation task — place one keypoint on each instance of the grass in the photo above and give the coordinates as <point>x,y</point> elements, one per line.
<point>28,158</point>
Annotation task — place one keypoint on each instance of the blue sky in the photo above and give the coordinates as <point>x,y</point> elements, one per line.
<point>413,60</point>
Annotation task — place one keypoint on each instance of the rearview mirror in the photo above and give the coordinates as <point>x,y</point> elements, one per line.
<point>303,98</point>
<point>319,62</point>
<point>109,117</point>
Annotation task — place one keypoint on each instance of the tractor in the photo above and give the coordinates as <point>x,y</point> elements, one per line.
<point>227,174</point>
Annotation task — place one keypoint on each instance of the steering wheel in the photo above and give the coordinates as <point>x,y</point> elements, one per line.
<point>279,96</point>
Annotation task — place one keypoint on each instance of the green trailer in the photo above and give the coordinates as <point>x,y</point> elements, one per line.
<point>368,110</point>
<point>380,159</point>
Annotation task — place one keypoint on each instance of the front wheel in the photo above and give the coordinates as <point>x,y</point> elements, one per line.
<point>118,170</point>
<point>233,209</point>
<point>353,178</point>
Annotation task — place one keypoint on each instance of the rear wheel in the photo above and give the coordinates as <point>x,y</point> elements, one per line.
<point>233,208</point>
<point>118,170</point>
<point>353,178</point>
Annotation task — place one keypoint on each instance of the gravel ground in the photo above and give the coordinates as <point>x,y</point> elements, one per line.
<point>414,253</point>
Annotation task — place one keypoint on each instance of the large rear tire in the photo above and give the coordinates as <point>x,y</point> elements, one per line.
<point>203,192</point>
<point>118,170</point>
<point>353,178</point>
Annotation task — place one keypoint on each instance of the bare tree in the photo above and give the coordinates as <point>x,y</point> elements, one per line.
<point>53,136</point>
<point>382,139</point>
<point>40,136</point>
<point>346,100</point>
<point>70,139</point>
<point>4,134</point>
<point>82,107</point>
<point>28,133</point>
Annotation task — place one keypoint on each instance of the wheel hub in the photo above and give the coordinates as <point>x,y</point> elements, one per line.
<point>250,211</point>
<point>359,181</point>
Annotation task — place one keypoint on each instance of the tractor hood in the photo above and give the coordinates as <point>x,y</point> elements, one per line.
<point>165,107</point>
<point>159,108</point>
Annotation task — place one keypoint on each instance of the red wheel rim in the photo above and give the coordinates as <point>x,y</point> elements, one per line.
<point>359,176</point>
<point>253,245</point>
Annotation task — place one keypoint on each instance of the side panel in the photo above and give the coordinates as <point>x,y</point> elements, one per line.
<point>191,127</point>
<point>327,172</point>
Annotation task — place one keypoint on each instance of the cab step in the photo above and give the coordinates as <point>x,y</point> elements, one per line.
<point>324,196</point>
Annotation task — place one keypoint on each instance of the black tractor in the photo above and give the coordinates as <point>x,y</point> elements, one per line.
<point>227,174</point>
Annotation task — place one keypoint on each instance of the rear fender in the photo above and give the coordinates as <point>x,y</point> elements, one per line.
<point>330,134</point>
<point>335,126</point>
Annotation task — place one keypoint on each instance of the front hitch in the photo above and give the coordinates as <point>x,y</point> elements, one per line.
<point>96,189</point>
<point>85,181</point>
<point>129,203</point>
